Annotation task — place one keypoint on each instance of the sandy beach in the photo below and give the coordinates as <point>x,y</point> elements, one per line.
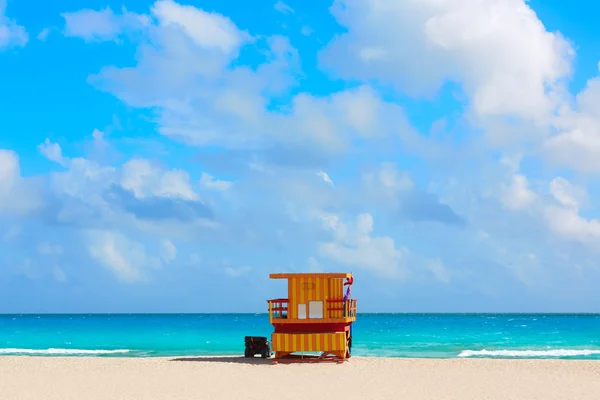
<point>39,378</point>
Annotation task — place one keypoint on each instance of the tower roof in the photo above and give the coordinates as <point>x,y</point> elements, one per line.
<point>331,275</point>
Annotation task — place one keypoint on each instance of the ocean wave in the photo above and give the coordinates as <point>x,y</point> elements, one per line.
<point>529,353</point>
<point>62,351</point>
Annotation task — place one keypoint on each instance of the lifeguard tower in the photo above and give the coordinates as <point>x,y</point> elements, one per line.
<point>316,317</point>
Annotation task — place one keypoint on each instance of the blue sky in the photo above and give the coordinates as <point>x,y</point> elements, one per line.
<point>167,156</point>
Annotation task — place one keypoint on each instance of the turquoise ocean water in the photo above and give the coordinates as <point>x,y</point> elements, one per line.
<point>390,335</point>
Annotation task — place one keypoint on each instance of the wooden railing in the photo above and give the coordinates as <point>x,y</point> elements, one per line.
<point>278,308</point>
<point>341,308</point>
<point>351,308</point>
<point>334,309</point>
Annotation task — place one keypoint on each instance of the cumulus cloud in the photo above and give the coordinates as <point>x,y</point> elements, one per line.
<point>210,182</point>
<point>169,251</point>
<point>354,246</point>
<point>577,142</point>
<point>11,33</point>
<point>88,193</point>
<point>157,208</point>
<point>145,179</point>
<point>204,99</point>
<point>563,217</point>
<point>125,258</point>
<point>53,152</point>
<point>516,194</point>
<point>102,25</point>
<point>560,213</point>
<point>43,35</point>
<point>417,45</point>
<point>237,272</point>
<point>566,193</point>
<point>18,196</point>
<point>208,30</point>
<point>325,177</point>
<point>283,8</point>
<point>393,189</point>
<point>439,270</point>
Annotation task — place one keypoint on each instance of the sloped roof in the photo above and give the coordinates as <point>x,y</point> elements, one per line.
<point>330,275</point>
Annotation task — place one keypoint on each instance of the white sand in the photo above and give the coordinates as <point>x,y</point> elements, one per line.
<point>39,378</point>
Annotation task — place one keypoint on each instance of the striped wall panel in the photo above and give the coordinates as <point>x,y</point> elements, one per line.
<point>308,342</point>
<point>301,290</point>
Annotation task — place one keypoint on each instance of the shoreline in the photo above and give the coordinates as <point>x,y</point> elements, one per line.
<point>359,378</point>
<point>119,355</point>
<point>258,359</point>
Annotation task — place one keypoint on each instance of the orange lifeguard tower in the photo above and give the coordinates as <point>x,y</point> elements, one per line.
<point>316,317</point>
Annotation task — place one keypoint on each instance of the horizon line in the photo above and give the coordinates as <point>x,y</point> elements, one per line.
<point>266,313</point>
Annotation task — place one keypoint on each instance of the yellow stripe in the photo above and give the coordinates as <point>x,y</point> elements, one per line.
<point>295,296</point>
<point>319,338</point>
<point>293,299</point>
<point>341,294</point>
<point>295,342</point>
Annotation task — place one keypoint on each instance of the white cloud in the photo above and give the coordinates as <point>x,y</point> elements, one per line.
<point>566,193</point>
<point>139,194</point>
<point>560,214</point>
<point>11,34</point>
<point>169,251</point>
<point>577,143</point>
<point>102,25</point>
<point>439,271</point>
<point>353,246</point>
<point>416,45</point>
<point>325,177</point>
<point>145,179</point>
<point>43,35</point>
<point>17,196</point>
<point>125,258</point>
<point>209,30</point>
<point>564,219</point>
<point>202,99</point>
<point>283,8</point>
<point>53,152</point>
<point>566,222</point>
<point>98,135</point>
<point>84,180</point>
<point>388,179</point>
<point>9,170</point>
<point>237,272</point>
<point>517,195</point>
<point>210,182</point>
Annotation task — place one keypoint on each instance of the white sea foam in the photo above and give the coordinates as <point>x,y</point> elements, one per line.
<point>62,351</point>
<point>529,353</point>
